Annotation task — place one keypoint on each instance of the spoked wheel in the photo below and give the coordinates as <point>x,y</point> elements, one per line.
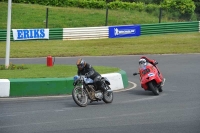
<point>79,97</point>
<point>108,96</point>
<point>153,88</point>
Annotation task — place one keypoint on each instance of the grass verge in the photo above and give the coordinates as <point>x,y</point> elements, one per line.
<point>42,71</point>
<point>154,44</point>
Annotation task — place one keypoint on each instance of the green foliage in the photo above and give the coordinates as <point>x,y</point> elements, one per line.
<point>133,6</point>
<point>144,1</point>
<point>97,4</point>
<point>64,3</point>
<point>151,8</point>
<point>185,7</point>
<point>119,5</point>
<point>197,4</point>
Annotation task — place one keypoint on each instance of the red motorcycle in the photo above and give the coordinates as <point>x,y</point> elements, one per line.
<point>151,78</point>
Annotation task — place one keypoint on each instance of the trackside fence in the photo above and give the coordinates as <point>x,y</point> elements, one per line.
<point>83,33</point>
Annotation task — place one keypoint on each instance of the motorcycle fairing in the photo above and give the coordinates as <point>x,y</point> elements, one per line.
<point>148,74</point>
<point>90,81</point>
<point>87,80</point>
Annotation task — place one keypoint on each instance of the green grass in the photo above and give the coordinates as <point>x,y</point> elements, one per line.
<point>33,16</point>
<point>154,44</point>
<point>42,71</point>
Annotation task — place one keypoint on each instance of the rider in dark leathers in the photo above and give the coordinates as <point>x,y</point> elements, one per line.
<point>89,72</point>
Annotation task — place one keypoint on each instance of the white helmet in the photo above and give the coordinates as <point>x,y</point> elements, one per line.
<point>142,61</point>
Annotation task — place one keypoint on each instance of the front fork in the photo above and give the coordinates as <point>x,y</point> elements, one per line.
<point>81,90</point>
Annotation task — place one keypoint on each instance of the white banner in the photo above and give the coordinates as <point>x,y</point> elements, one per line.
<point>27,34</point>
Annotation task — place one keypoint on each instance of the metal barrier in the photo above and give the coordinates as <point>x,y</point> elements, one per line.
<point>199,26</point>
<point>3,35</point>
<point>103,32</point>
<point>56,34</point>
<point>161,28</point>
<point>85,33</point>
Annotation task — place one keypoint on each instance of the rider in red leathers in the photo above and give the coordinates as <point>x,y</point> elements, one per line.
<point>153,62</point>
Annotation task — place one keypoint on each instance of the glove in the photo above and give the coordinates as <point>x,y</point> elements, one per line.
<point>155,63</point>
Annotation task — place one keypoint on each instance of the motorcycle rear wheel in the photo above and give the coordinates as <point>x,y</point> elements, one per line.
<point>79,99</point>
<point>152,86</point>
<point>108,97</point>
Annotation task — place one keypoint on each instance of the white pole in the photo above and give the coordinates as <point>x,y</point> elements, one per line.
<point>8,34</point>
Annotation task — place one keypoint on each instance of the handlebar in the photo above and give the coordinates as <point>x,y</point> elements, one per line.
<point>134,74</point>
<point>78,79</point>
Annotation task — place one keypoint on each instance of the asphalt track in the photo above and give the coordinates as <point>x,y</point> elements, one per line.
<point>175,110</point>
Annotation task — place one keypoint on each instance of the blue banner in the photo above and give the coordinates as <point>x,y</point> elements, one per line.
<point>124,31</point>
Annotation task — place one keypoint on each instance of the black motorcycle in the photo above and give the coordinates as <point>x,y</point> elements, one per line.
<point>85,89</point>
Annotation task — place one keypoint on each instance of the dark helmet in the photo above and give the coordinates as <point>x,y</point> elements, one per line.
<point>80,63</point>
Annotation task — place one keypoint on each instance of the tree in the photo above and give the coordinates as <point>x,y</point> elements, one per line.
<point>144,1</point>
<point>197,4</point>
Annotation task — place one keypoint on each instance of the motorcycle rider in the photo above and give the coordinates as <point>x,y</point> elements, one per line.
<point>144,60</point>
<point>89,72</point>
<point>153,62</point>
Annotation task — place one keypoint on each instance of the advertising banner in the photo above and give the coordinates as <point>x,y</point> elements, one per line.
<point>28,34</point>
<point>124,31</point>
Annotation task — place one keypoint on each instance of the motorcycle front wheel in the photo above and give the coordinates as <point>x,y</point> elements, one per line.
<point>108,96</point>
<point>152,86</point>
<point>79,97</point>
<point>160,89</point>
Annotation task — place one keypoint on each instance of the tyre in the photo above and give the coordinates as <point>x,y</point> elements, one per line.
<point>108,96</point>
<point>152,86</point>
<point>79,98</point>
<point>162,84</point>
<point>160,89</point>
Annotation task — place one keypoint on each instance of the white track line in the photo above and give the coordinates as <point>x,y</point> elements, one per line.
<point>134,86</point>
